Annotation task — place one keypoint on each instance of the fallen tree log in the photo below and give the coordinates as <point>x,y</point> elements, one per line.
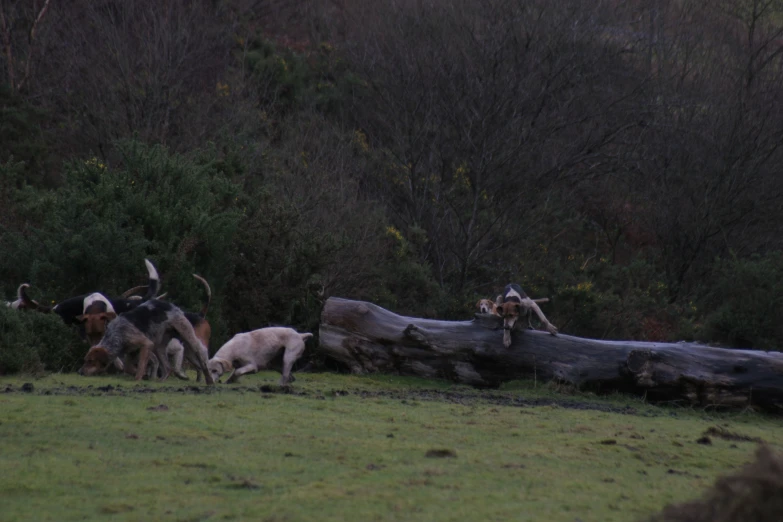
<point>367,338</point>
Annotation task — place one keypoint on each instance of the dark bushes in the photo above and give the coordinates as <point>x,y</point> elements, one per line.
<point>34,342</point>
<point>755,493</point>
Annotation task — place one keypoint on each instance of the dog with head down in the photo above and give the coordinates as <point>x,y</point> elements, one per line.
<point>252,351</point>
<point>148,328</point>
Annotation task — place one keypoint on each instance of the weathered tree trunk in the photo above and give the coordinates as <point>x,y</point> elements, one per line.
<point>368,338</point>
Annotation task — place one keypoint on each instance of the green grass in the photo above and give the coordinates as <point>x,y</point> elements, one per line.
<point>348,448</point>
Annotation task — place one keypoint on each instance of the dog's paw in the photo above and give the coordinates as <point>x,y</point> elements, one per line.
<point>551,329</point>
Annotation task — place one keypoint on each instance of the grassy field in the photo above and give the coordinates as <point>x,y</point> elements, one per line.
<point>350,448</point>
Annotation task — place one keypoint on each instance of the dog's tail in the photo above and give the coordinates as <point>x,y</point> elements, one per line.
<point>22,297</point>
<point>305,336</point>
<point>131,292</point>
<point>154,281</point>
<point>26,302</point>
<point>205,308</point>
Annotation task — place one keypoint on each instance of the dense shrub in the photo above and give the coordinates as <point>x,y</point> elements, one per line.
<point>34,342</point>
<point>94,232</point>
<point>753,492</point>
<point>594,298</point>
<point>745,301</point>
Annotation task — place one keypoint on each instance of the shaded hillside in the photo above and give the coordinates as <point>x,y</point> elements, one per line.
<point>620,159</point>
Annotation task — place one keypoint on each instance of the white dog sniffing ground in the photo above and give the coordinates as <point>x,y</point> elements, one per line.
<point>252,351</point>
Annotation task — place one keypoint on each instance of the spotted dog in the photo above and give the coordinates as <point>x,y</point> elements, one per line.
<point>513,304</point>
<point>175,351</point>
<point>252,351</point>
<point>73,309</point>
<point>146,329</point>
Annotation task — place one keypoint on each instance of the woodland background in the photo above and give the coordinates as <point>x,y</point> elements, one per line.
<point>620,157</point>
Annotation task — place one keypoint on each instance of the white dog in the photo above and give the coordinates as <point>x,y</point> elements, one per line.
<point>250,352</point>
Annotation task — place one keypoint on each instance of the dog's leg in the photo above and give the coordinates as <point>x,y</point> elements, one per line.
<point>506,338</point>
<point>231,376</point>
<point>159,350</point>
<point>176,350</point>
<point>239,372</point>
<point>194,361</point>
<point>193,344</point>
<point>146,346</point>
<point>154,366</point>
<point>292,352</point>
<point>127,365</point>
<point>529,303</point>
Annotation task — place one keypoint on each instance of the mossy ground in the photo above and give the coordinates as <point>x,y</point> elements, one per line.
<point>350,448</point>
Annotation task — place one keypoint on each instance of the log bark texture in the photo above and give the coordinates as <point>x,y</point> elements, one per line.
<point>367,338</point>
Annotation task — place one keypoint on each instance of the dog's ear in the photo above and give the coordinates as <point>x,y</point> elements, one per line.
<point>97,355</point>
<point>226,365</point>
<point>478,303</point>
<point>108,316</point>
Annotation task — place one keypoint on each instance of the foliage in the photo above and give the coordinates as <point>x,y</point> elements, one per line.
<point>746,303</point>
<point>21,137</point>
<point>286,80</point>
<point>404,283</point>
<point>95,231</point>
<point>31,342</point>
<point>405,154</point>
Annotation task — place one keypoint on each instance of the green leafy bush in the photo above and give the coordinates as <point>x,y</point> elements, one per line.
<point>93,233</point>
<point>746,299</point>
<point>33,342</point>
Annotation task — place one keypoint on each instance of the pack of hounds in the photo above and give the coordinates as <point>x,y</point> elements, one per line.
<point>512,305</point>
<point>145,335</point>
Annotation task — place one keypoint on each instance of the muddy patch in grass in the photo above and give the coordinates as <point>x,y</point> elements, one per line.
<point>243,484</point>
<point>441,454</point>
<point>268,391</point>
<point>723,433</point>
<point>114,509</point>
